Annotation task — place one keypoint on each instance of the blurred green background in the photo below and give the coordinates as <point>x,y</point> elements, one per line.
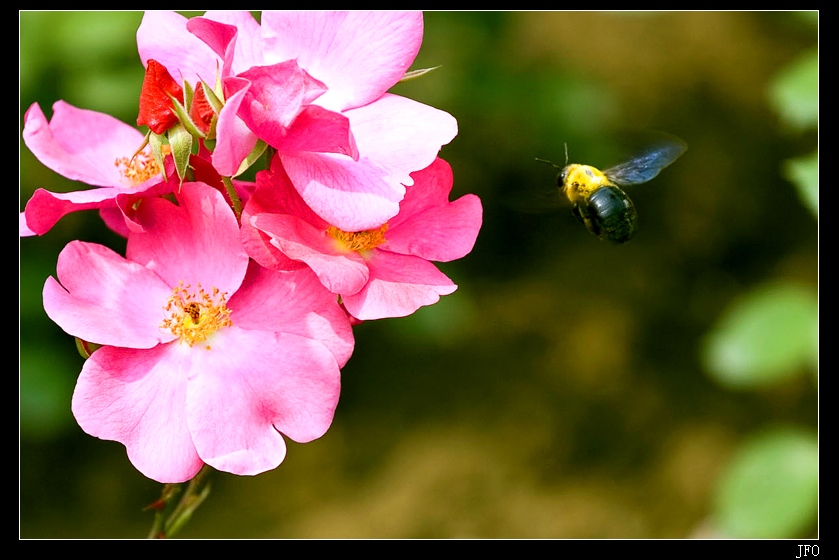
<point>570,388</point>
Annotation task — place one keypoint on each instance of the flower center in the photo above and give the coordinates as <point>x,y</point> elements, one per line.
<point>196,314</point>
<point>359,240</point>
<point>140,167</point>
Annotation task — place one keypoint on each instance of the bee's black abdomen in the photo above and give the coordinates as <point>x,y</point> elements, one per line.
<point>612,214</point>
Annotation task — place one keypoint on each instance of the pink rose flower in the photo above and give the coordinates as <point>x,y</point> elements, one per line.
<point>380,272</point>
<point>206,357</point>
<point>312,85</point>
<point>93,148</point>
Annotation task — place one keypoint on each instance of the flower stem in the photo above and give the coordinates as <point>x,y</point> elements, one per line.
<point>231,192</point>
<point>171,513</point>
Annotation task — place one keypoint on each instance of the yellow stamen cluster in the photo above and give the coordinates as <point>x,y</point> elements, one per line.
<point>139,168</point>
<point>359,240</point>
<point>195,314</point>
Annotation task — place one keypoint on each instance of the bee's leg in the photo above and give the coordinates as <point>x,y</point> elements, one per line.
<point>583,214</point>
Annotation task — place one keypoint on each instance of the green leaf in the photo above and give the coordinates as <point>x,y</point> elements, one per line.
<point>770,488</point>
<point>767,335</point>
<point>803,172</point>
<point>795,92</point>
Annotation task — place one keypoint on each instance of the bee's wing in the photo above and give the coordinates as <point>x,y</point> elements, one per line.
<point>647,165</point>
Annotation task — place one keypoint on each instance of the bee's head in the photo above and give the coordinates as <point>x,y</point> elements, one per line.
<point>562,177</point>
<point>563,171</point>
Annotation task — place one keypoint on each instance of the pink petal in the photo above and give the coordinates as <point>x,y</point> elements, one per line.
<point>238,408</point>
<point>218,36</point>
<point>316,130</point>
<point>359,55</point>
<point>138,398</point>
<point>275,97</point>
<point>428,225</point>
<point>45,208</point>
<point>115,220</point>
<point>258,245</point>
<point>127,204</point>
<point>248,47</point>
<point>341,271</point>
<point>234,140</point>
<point>106,299</point>
<point>351,195</point>
<point>24,227</point>
<point>81,145</point>
<point>398,286</point>
<point>433,187</point>
<point>273,194</point>
<point>401,135</point>
<point>293,302</point>
<point>163,36</point>
<point>195,242</point>
<point>441,233</point>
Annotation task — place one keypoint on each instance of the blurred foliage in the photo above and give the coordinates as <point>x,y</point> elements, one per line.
<point>770,334</point>
<point>803,172</point>
<point>795,95</point>
<point>795,92</point>
<point>564,391</point>
<point>770,488</point>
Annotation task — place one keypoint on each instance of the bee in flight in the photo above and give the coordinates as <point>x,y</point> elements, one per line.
<point>597,198</point>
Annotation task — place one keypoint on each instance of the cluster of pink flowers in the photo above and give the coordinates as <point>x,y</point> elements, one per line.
<point>224,327</point>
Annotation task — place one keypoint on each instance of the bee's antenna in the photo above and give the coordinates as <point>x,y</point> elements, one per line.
<point>548,162</point>
<point>566,153</point>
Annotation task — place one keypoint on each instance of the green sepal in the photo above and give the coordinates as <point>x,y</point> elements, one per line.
<point>189,94</point>
<point>86,348</point>
<point>180,140</point>
<point>255,154</point>
<point>157,141</point>
<point>212,98</point>
<point>186,121</point>
<point>216,103</point>
<point>413,74</point>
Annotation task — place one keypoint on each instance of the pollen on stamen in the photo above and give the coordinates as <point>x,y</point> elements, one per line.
<point>195,314</point>
<point>359,240</point>
<point>140,167</point>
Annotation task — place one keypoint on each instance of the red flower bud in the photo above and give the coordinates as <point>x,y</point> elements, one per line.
<point>201,111</point>
<point>155,105</point>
